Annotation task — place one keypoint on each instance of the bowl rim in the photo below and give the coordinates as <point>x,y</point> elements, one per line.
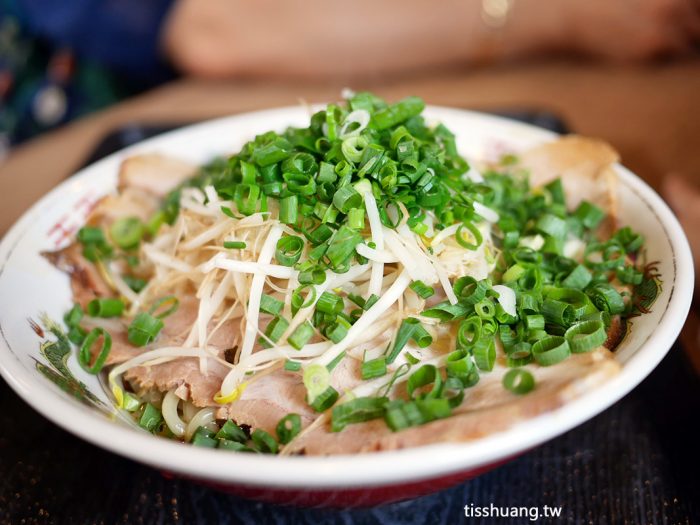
<point>367,469</point>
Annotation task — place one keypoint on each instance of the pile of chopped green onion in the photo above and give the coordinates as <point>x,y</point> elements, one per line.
<point>540,304</point>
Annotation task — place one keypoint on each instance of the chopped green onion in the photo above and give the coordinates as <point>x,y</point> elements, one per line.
<point>410,358</point>
<point>155,222</point>
<point>513,273</point>
<point>426,375</point>
<point>534,322</point>
<point>298,300</point>
<point>288,428</point>
<point>105,307</point>
<point>331,122</point>
<point>274,330</point>
<point>271,153</point>
<point>289,250</point>
<point>508,337</point>
<point>329,303</point>
<point>76,335</point>
<point>338,330</point>
<point>629,275</point>
<point>228,212</point>
<point>630,240</point>
<point>316,379</point>
<point>446,312</point>
<point>272,189</point>
<point>397,113</point>
<point>135,283</point>
<point>270,305</point>
<point>226,444</point>
<point>578,300</point>
<point>292,366</point>
<point>460,365</point>
<point>264,442</point>
<point>347,198</point>
<point>550,350</point>
<point>485,353</point>
<point>358,410</point>
<point>231,432</point>
<point>469,331</point>
<point>74,316</point>
<point>405,332</point>
<point>556,190</point>
<point>151,419</point>
<point>518,381</point>
<point>144,329</point>
<point>485,309</point>
<point>421,336</point>
<point>373,368</point>
<point>359,301</point>
<point>589,214</point>
<point>413,413</point>
<point>422,290</point>
<point>91,235</point>
<point>336,361</point>
<point>476,236</point>
<point>326,173</point>
<point>131,403</point>
<point>301,335</point>
<point>605,297</point>
<point>471,291</point>
<point>586,336</point>
<point>356,218</point>
<point>324,400</point>
<point>353,147</point>
<point>558,312</point>
<point>401,415</point>
<point>320,234</point>
<point>529,303</point>
<point>203,437</point>
<point>579,278</point>
<point>552,225</point>
<point>234,245</point>
<point>85,352</point>
<point>342,246</point>
<point>127,232</point>
<point>289,209</point>
<point>369,302</point>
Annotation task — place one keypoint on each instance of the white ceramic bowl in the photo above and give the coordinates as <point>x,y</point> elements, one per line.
<point>29,285</point>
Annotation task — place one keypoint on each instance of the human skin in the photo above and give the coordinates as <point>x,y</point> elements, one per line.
<point>321,38</point>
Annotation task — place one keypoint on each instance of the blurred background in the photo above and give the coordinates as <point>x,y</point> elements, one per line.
<point>63,60</point>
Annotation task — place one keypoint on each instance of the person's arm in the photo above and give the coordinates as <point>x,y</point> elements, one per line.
<point>321,37</point>
<point>366,37</point>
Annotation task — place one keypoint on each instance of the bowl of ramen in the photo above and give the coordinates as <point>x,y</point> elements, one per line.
<point>344,304</point>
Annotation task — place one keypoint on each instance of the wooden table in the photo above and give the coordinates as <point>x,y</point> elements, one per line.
<point>650,113</point>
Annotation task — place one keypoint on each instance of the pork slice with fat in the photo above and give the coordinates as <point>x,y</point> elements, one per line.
<point>487,408</point>
<point>85,280</point>
<point>585,166</point>
<point>154,173</point>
